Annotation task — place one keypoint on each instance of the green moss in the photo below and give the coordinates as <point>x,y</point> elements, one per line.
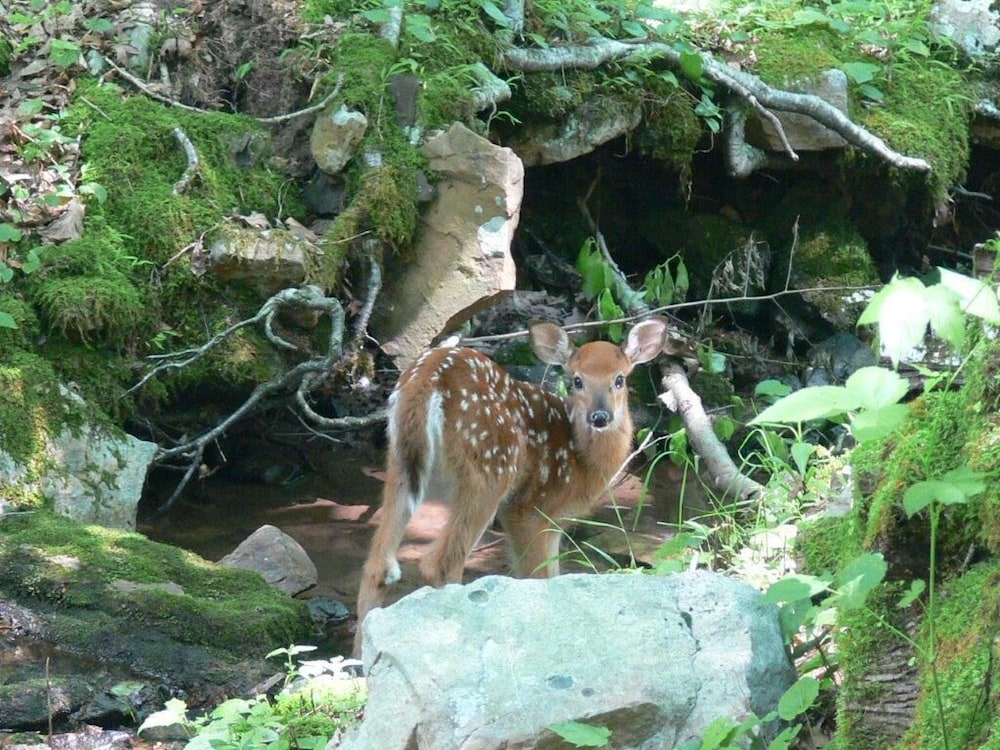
<point>670,131</point>
<point>31,407</point>
<point>28,327</point>
<point>73,569</point>
<point>968,629</point>
<point>130,148</point>
<point>6,54</point>
<point>365,60</point>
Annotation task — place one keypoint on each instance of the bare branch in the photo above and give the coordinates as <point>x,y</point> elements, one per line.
<point>194,164</point>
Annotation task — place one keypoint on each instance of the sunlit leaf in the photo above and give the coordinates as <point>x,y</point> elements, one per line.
<point>820,402</point>
<point>793,588</point>
<point>875,387</point>
<point>856,580</point>
<point>860,72</point>
<point>947,320</point>
<point>582,735</point>
<point>899,309</point>
<point>975,297</point>
<point>875,424</point>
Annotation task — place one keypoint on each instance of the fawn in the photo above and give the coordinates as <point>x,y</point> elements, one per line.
<point>462,429</point>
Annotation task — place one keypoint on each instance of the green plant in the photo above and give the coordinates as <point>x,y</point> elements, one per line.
<point>301,717</point>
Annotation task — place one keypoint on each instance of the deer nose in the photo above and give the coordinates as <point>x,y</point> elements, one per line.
<point>599,418</point>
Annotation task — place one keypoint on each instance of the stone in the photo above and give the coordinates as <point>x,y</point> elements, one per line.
<point>267,260</point>
<point>491,664</point>
<point>335,137</point>
<point>278,558</point>
<point>461,262</point>
<point>594,123</point>
<point>973,25</point>
<point>802,131</point>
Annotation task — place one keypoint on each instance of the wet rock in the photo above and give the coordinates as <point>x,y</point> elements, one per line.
<point>461,262</point>
<point>493,663</point>
<point>336,137</point>
<point>278,558</point>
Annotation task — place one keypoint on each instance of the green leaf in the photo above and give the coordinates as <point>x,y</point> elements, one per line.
<point>6,272</point>
<point>634,29</point>
<point>9,233</point>
<point>860,72</point>
<point>970,482</point>
<point>798,698</point>
<point>490,8</point>
<point>7,320</point>
<point>95,189</point>
<point>975,297</point>
<point>853,584</point>
<point>785,738</point>
<point>871,92</point>
<point>900,310</point>
<point>793,588</point>
<point>800,455</point>
<point>820,402</point>
<point>419,25</point>
<point>917,587</point>
<point>63,52</point>
<point>947,321</point>
<point>875,424</point>
<point>579,734</point>
<point>174,712</point>
<point>30,107</point>
<point>692,65</point>
<point>772,389</point>
<point>875,387</point>
<point>377,15</point>
<point>719,734</point>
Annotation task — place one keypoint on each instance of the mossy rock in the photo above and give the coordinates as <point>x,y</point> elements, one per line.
<point>117,595</point>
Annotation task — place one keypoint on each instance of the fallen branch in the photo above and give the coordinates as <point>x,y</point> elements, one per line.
<point>194,164</point>
<point>748,87</point>
<point>722,471</point>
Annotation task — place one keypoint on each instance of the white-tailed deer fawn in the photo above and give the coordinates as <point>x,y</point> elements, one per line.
<point>460,428</point>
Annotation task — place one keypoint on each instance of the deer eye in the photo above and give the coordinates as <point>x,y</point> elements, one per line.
<point>578,382</point>
<point>620,381</point>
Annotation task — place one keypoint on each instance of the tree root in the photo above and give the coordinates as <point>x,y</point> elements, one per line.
<point>747,87</point>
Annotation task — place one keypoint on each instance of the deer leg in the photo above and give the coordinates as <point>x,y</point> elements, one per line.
<point>382,568</point>
<point>471,514</point>
<point>534,542</point>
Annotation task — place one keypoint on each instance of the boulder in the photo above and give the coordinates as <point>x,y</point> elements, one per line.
<point>490,665</point>
<point>461,262</point>
<point>89,473</point>
<point>973,25</point>
<point>278,558</point>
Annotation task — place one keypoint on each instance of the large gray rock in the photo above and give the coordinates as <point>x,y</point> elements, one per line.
<point>461,262</point>
<point>335,138</point>
<point>88,473</point>
<point>278,558</point>
<point>267,260</point>
<point>973,25</point>
<point>489,665</point>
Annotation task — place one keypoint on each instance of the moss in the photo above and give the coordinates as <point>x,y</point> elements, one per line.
<point>132,149</point>
<point>6,55</point>
<point>967,647</point>
<point>365,60</point>
<point>28,327</point>
<point>31,407</point>
<point>670,131</point>
<point>72,569</point>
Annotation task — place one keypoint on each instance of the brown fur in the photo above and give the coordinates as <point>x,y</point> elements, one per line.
<point>507,449</point>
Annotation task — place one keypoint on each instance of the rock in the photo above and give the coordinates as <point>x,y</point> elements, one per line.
<point>595,122</point>
<point>489,665</point>
<point>461,262</point>
<point>973,25</point>
<point>89,473</point>
<point>268,260</point>
<point>335,138</point>
<point>278,558</point>
<point>802,131</point>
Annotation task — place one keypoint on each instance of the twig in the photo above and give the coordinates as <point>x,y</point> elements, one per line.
<point>193,166</point>
<point>308,110</point>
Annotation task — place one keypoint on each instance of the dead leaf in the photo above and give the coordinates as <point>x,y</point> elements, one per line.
<point>68,226</point>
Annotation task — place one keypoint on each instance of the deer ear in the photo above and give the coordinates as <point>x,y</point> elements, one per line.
<point>645,341</point>
<point>551,344</point>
